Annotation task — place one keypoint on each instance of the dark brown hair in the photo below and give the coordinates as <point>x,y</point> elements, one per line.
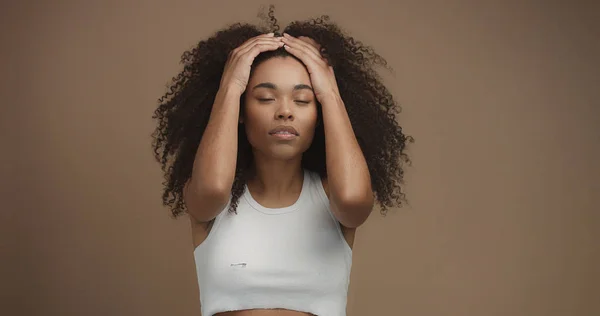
<point>184,110</point>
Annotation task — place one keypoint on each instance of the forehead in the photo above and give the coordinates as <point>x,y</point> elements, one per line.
<point>282,71</point>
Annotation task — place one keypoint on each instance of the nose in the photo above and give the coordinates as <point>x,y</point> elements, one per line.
<point>284,112</point>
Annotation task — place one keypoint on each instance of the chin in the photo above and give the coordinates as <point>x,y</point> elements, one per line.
<point>285,153</point>
<point>280,150</point>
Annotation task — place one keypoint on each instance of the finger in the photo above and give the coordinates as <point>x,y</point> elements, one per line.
<point>302,54</point>
<point>307,57</point>
<point>260,46</point>
<point>310,41</point>
<point>263,42</point>
<point>304,48</point>
<point>253,40</point>
<point>305,42</point>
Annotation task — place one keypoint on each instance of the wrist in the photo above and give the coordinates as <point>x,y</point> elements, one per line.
<point>330,98</point>
<point>227,92</point>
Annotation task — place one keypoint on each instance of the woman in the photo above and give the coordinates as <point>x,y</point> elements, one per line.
<point>277,148</point>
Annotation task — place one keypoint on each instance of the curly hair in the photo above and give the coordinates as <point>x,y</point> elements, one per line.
<point>184,110</point>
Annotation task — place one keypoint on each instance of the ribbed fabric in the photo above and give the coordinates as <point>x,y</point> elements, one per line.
<point>260,258</point>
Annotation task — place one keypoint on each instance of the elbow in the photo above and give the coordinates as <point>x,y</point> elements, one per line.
<point>207,188</point>
<point>204,203</point>
<point>354,211</point>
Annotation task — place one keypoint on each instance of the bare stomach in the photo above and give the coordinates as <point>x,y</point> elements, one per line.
<point>265,312</point>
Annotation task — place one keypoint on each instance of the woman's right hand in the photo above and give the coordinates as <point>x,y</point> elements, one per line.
<point>237,68</point>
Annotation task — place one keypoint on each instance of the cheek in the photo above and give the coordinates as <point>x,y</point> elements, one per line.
<point>255,122</point>
<point>309,125</point>
<point>313,118</point>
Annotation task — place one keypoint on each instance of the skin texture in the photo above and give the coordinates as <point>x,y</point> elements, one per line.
<point>185,109</point>
<point>280,95</point>
<point>213,134</point>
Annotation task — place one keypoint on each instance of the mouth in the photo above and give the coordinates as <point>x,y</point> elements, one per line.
<point>283,136</point>
<point>282,129</point>
<point>284,132</point>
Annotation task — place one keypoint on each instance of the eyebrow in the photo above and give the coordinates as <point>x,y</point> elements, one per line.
<point>273,86</point>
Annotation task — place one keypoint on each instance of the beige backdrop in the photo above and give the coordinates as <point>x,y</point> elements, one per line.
<point>501,96</point>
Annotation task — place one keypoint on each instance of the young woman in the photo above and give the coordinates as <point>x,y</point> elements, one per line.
<point>277,147</point>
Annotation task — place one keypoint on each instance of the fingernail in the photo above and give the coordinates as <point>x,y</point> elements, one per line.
<point>271,34</point>
<point>286,35</point>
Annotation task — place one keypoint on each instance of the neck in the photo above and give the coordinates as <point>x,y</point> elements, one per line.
<point>276,178</point>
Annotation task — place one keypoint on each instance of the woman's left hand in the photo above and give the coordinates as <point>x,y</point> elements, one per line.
<point>321,73</point>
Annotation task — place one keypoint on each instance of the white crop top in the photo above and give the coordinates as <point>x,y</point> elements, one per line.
<point>293,257</point>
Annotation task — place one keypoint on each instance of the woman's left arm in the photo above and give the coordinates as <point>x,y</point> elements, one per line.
<point>349,182</point>
<point>348,178</point>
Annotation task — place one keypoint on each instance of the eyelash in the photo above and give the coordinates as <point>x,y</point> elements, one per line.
<point>267,100</point>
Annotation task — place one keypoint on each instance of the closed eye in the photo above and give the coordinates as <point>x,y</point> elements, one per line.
<point>269,100</point>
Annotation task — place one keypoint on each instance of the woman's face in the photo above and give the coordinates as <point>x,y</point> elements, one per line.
<point>280,109</point>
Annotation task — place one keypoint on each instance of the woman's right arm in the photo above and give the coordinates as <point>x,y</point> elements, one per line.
<point>208,190</point>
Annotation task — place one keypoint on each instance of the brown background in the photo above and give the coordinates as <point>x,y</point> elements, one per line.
<point>502,98</point>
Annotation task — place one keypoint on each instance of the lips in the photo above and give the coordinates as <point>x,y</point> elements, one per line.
<point>282,129</point>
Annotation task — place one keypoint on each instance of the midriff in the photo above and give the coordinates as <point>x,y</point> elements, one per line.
<point>264,312</point>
